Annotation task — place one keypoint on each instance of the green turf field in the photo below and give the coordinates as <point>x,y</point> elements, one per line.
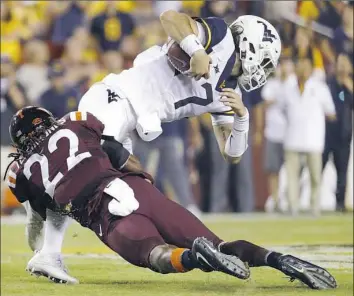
<point>328,241</point>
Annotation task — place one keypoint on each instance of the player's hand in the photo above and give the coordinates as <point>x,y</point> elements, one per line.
<point>200,65</point>
<point>230,98</point>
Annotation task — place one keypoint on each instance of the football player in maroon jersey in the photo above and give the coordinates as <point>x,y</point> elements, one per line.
<point>61,165</point>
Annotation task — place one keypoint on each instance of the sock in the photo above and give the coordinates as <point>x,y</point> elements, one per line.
<point>252,254</point>
<point>182,260</point>
<point>272,259</point>
<point>188,260</point>
<point>54,232</point>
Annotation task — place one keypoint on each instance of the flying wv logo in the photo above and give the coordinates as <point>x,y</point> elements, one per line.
<point>112,96</point>
<point>267,36</point>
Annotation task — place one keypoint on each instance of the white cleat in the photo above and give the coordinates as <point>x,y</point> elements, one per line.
<point>51,266</point>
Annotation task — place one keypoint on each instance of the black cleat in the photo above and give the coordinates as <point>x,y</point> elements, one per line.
<point>312,275</point>
<point>211,259</point>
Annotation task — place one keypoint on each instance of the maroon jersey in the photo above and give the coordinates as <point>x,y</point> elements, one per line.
<point>70,168</point>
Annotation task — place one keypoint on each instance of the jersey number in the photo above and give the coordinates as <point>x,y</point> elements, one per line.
<point>71,161</point>
<point>197,100</point>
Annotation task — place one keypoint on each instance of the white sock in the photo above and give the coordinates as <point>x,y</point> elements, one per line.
<point>54,232</point>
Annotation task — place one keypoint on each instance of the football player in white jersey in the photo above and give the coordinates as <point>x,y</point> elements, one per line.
<point>223,59</point>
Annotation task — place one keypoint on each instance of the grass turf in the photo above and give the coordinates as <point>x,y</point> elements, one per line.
<point>101,274</point>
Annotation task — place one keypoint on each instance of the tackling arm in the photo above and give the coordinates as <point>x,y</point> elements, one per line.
<point>120,158</point>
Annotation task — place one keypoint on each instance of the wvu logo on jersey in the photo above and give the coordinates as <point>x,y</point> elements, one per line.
<point>267,36</point>
<point>112,96</point>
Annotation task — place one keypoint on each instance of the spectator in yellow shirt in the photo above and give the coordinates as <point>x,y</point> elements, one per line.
<point>308,10</point>
<point>12,32</point>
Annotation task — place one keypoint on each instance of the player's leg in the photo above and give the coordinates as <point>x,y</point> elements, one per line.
<point>312,275</point>
<point>48,261</point>
<point>34,228</point>
<point>177,226</point>
<point>136,239</point>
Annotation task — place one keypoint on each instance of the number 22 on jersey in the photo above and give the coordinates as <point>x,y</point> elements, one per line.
<point>71,161</point>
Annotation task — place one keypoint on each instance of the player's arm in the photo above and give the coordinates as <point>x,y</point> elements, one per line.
<point>184,30</point>
<point>231,128</point>
<point>120,157</point>
<point>35,212</point>
<point>19,186</point>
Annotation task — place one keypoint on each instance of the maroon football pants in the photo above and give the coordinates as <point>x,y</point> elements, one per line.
<point>157,221</point>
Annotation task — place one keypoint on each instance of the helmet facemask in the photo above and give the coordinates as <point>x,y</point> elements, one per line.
<point>255,76</point>
<point>30,141</point>
<point>259,46</point>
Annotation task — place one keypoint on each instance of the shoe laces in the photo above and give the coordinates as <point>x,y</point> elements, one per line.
<point>59,261</point>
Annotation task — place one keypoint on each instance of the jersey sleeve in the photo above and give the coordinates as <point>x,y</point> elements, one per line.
<point>17,182</point>
<point>20,187</point>
<point>215,30</point>
<point>88,120</point>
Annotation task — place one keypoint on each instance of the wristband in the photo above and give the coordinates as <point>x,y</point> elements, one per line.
<point>191,44</point>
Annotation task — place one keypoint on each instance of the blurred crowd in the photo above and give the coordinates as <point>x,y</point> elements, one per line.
<point>53,51</point>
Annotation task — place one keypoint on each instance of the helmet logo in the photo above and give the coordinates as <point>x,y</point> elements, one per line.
<point>19,113</point>
<point>238,29</point>
<point>36,121</point>
<point>267,35</point>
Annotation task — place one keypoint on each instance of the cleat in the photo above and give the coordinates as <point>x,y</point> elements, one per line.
<point>212,260</point>
<point>50,266</point>
<point>311,275</point>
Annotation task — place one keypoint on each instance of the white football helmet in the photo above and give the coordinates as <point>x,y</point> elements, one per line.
<point>259,48</point>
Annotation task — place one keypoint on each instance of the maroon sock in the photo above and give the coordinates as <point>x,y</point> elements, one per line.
<point>252,254</point>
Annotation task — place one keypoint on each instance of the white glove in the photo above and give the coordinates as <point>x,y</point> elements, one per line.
<point>124,201</point>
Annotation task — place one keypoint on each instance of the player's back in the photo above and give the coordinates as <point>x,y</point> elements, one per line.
<point>71,164</point>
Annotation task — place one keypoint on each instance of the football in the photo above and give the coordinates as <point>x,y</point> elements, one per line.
<point>178,58</point>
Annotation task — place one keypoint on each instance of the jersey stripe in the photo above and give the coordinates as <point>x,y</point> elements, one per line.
<point>12,174</point>
<point>11,182</point>
<point>78,116</point>
<point>226,113</point>
<point>209,34</point>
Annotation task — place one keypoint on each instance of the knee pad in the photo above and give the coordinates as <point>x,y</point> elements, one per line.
<point>160,259</point>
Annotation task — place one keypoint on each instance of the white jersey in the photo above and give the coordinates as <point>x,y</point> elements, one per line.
<point>157,92</point>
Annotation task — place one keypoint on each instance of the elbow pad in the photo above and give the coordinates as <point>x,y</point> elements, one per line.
<point>237,141</point>
<point>117,154</point>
